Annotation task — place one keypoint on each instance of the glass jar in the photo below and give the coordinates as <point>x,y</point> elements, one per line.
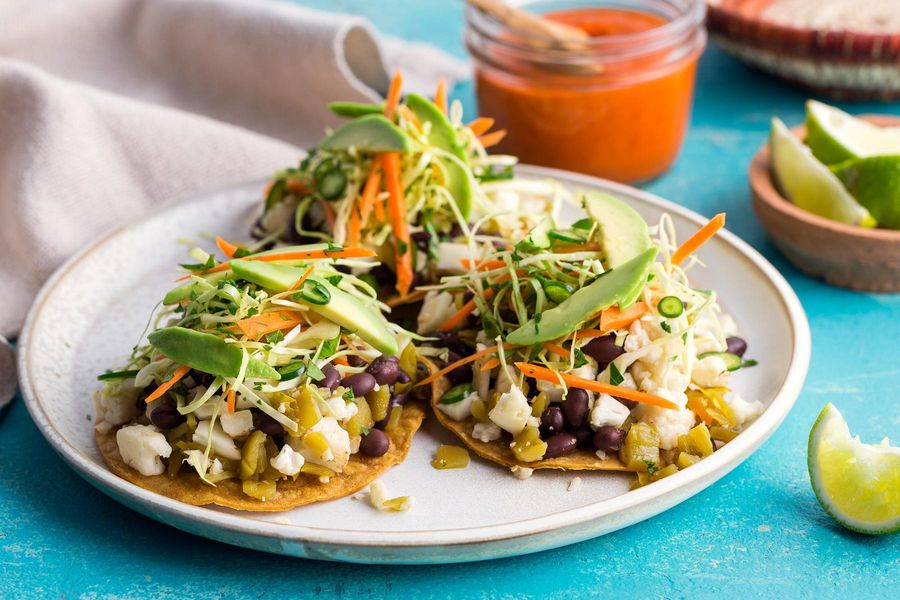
<point>615,106</point>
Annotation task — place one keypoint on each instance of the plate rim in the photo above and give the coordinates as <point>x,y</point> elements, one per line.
<point>690,481</point>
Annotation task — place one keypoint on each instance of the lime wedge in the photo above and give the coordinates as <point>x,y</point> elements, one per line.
<point>808,183</point>
<point>835,136</point>
<point>857,484</point>
<point>875,183</point>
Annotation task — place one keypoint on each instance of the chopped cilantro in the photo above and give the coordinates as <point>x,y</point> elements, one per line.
<point>615,376</point>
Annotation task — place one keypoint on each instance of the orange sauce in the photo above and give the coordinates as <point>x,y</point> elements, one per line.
<point>624,119</point>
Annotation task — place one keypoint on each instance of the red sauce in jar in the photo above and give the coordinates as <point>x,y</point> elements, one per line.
<point>620,113</point>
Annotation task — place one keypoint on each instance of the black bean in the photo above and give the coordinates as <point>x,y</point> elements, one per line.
<point>736,345</point>
<point>603,349</point>
<point>584,437</point>
<point>331,379</point>
<point>609,439</point>
<point>267,424</point>
<point>575,408</point>
<point>451,341</point>
<point>627,403</point>
<point>385,370</point>
<point>421,239</point>
<point>403,378</point>
<point>559,444</point>
<point>381,424</point>
<point>460,374</point>
<point>552,421</point>
<point>400,399</point>
<point>356,361</point>
<point>166,417</point>
<point>360,383</point>
<point>375,443</point>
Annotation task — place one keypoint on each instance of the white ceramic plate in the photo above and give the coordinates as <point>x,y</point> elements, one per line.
<point>91,312</point>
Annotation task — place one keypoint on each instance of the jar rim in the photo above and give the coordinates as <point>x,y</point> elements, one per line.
<point>685,17</point>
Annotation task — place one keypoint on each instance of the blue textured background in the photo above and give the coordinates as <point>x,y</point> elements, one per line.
<point>758,533</point>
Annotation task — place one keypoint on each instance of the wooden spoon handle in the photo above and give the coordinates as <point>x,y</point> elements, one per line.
<point>516,18</point>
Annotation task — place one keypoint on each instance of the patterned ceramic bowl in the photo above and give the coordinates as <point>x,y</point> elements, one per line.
<point>802,41</point>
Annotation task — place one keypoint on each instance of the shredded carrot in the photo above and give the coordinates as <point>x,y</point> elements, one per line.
<point>481,125</point>
<point>612,318</point>
<point>227,248</point>
<point>545,374</point>
<point>409,116</point>
<point>164,386</point>
<point>269,185</point>
<point>232,397</point>
<point>483,265</point>
<point>703,234</point>
<point>329,213</point>
<point>459,363</point>
<point>370,192</point>
<point>347,252</point>
<point>341,361</point>
<point>379,208</point>
<point>493,138</point>
<point>440,96</point>
<point>296,186</point>
<point>402,248</point>
<point>296,285</point>
<point>588,334</point>
<point>491,364</point>
<point>467,309</point>
<point>259,325</point>
<point>393,95</point>
<point>557,350</point>
<point>353,226</point>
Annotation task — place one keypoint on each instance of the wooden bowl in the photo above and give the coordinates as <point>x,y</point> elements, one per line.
<point>843,255</point>
<point>840,64</point>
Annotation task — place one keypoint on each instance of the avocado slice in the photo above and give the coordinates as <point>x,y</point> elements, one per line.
<point>369,133</point>
<point>342,308</point>
<point>565,318</point>
<point>207,353</point>
<point>623,232</point>
<point>353,110</point>
<point>443,135</point>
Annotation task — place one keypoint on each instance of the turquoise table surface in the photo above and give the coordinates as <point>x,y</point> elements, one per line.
<point>757,533</point>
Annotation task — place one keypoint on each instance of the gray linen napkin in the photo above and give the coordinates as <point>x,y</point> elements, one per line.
<point>109,108</point>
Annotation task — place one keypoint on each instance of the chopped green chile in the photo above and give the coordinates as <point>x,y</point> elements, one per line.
<point>332,184</point>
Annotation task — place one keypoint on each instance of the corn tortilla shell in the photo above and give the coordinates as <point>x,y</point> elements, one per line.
<point>359,472</point>
<point>499,451</point>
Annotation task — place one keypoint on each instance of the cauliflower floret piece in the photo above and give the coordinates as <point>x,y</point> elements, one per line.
<point>554,391</point>
<point>608,411</point>
<point>727,324</point>
<point>673,388</point>
<point>521,472</point>
<point>208,408</point>
<point>637,337</point>
<point>512,412</point>
<point>237,424</point>
<point>222,444</point>
<point>669,422</point>
<point>486,432</point>
<point>437,307</point>
<point>459,411</point>
<point>450,257</point>
<point>340,408</point>
<point>216,467</point>
<point>338,439</point>
<point>141,447</point>
<point>710,371</point>
<point>114,407</point>
<point>506,201</point>
<point>744,411</point>
<point>288,461</point>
